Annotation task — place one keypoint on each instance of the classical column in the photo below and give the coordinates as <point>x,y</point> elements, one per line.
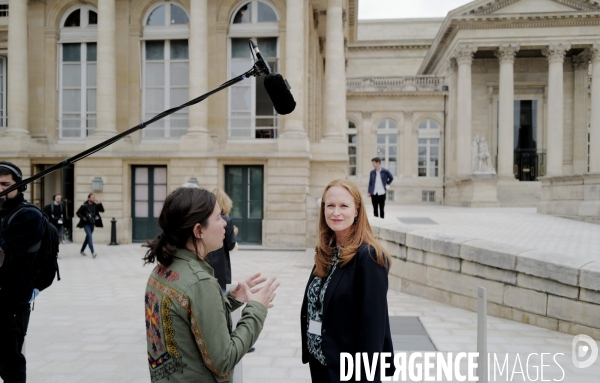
<point>595,120</point>
<point>198,52</point>
<point>464,59</point>
<point>335,73</point>
<point>451,80</point>
<point>106,76</point>
<point>409,158</point>
<point>506,55</point>
<point>17,69</point>
<point>581,64</point>
<point>556,55</point>
<point>294,65</point>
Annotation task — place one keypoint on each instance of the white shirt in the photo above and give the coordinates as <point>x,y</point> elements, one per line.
<point>379,188</point>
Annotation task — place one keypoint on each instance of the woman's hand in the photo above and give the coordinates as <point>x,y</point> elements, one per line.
<point>239,294</point>
<point>264,295</point>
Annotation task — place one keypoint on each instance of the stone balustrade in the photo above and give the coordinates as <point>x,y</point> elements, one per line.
<point>574,196</point>
<point>394,84</point>
<point>555,291</point>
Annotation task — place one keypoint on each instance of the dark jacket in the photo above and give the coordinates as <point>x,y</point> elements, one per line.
<point>54,213</point>
<point>355,313</point>
<point>219,259</point>
<point>92,213</point>
<point>16,276</point>
<point>386,178</point>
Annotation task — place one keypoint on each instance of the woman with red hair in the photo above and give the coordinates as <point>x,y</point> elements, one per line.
<point>345,302</point>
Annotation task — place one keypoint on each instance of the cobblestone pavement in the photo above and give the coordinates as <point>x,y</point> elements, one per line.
<point>89,327</point>
<point>518,226</point>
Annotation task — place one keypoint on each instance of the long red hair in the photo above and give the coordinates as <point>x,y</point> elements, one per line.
<point>360,232</point>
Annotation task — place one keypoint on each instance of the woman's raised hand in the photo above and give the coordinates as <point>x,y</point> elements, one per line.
<point>264,295</point>
<point>239,294</point>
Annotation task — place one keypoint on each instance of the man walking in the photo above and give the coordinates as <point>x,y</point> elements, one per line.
<point>55,214</point>
<point>89,218</point>
<point>17,234</point>
<point>379,181</point>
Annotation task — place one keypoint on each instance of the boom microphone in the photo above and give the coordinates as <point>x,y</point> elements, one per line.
<point>279,92</point>
<point>276,86</point>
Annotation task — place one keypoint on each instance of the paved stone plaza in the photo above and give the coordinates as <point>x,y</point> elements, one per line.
<point>89,327</point>
<point>517,226</point>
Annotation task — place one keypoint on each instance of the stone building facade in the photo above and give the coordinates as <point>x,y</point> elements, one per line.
<point>432,97</point>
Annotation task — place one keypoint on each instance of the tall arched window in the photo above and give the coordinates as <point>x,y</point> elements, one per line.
<point>77,72</point>
<point>352,133</point>
<point>429,149</point>
<point>387,144</point>
<point>166,70</point>
<point>251,114</point>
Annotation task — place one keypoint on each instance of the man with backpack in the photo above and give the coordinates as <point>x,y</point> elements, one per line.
<point>27,227</point>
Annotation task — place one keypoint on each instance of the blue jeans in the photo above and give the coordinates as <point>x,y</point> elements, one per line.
<point>89,229</point>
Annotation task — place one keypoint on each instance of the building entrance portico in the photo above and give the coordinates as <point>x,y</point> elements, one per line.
<point>522,86</point>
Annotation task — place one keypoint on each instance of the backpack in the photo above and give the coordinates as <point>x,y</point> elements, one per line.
<point>45,264</point>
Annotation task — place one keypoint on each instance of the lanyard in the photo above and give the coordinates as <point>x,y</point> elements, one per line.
<point>319,303</point>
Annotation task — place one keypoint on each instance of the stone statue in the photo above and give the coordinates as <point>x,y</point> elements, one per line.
<point>481,158</point>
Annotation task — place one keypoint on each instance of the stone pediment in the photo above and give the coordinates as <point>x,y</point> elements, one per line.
<point>511,7</point>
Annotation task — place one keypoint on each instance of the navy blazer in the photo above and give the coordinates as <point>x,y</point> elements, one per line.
<point>386,179</point>
<point>355,313</point>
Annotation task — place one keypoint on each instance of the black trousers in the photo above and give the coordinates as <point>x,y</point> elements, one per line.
<point>13,328</point>
<point>318,372</point>
<point>378,200</point>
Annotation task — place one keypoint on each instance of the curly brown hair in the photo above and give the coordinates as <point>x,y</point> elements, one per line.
<point>182,210</point>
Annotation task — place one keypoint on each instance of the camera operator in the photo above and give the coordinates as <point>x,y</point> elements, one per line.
<point>89,218</point>
<point>17,232</point>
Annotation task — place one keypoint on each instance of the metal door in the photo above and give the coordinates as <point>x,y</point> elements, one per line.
<point>149,190</point>
<point>244,185</point>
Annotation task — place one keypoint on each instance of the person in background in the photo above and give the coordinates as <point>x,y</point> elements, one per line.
<point>55,213</point>
<point>19,230</point>
<point>379,181</point>
<point>345,303</point>
<point>89,218</point>
<point>219,259</point>
<point>188,318</point>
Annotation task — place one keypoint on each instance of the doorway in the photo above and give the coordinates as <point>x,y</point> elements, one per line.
<point>148,194</point>
<point>59,182</point>
<point>244,185</point>
<point>525,136</point>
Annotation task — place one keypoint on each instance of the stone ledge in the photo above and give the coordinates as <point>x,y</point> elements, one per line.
<point>590,276</point>
<point>559,267</point>
<point>546,289</point>
<point>495,254</point>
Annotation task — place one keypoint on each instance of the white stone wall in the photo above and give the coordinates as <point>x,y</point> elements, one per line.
<point>407,109</point>
<point>554,291</point>
<point>573,196</point>
<point>398,29</point>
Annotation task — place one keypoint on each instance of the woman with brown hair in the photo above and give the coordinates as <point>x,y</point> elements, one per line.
<point>188,322</point>
<point>345,302</point>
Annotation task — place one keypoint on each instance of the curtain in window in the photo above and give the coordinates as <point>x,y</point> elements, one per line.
<point>78,90</point>
<point>166,85</point>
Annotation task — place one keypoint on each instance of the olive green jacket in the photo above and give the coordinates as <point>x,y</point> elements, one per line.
<point>188,324</point>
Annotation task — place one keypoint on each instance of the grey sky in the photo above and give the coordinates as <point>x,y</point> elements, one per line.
<point>400,9</point>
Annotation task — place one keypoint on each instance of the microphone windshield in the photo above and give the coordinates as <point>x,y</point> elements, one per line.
<point>279,92</point>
